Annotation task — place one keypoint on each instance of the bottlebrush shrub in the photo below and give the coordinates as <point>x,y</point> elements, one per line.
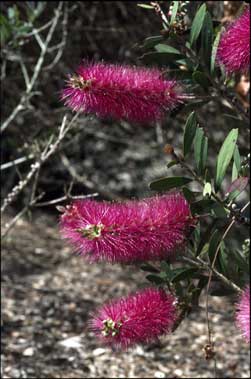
<point>150,229</point>
<point>243,313</point>
<point>121,92</point>
<point>139,318</point>
<point>234,47</point>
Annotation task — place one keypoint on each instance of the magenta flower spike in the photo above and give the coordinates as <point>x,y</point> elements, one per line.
<point>243,314</point>
<point>139,318</point>
<point>128,232</point>
<point>234,47</point>
<point>119,92</point>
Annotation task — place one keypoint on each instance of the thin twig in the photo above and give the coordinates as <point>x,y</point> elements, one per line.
<point>16,162</point>
<point>36,71</point>
<point>200,263</point>
<point>10,224</point>
<point>62,44</point>
<point>65,198</point>
<point>49,150</point>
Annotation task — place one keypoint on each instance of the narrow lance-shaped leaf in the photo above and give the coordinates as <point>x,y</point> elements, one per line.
<point>189,133</point>
<point>162,48</point>
<point>150,42</point>
<point>175,8</point>
<point>149,268</point>
<point>236,164</point>
<point>202,206</point>
<point>146,6</point>
<point>239,259</point>
<point>197,24</point>
<point>225,156</point>
<point>214,242</point>
<point>165,184</point>
<point>156,279</point>
<point>214,52</point>
<point>200,150</point>
<point>224,259</point>
<point>183,273</point>
<point>207,39</point>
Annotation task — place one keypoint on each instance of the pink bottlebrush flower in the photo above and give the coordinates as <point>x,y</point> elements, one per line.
<point>133,231</point>
<point>120,92</point>
<point>234,47</point>
<point>138,318</point>
<point>243,314</point>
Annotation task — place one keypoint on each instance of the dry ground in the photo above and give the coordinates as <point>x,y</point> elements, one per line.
<point>48,295</point>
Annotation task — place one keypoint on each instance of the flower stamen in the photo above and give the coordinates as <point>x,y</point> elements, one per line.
<point>78,82</point>
<point>91,231</point>
<point>110,327</point>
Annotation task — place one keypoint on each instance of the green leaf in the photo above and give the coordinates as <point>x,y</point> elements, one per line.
<point>237,164</point>
<point>13,14</point>
<point>214,52</point>
<point>223,259</point>
<point>207,39</point>
<point>219,211</point>
<point>187,63</point>
<point>146,6</point>
<point>200,150</point>
<point>160,58</point>
<point>171,164</point>
<point>167,183</point>
<point>213,244</point>
<point>197,23</point>
<point>150,42</point>
<point>177,74</point>
<point>189,133</point>
<point>149,268</point>
<point>175,8</point>
<point>183,273</point>
<point>189,195</point>
<point>5,29</point>
<point>156,279</point>
<point>165,267</point>
<point>162,48</point>
<point>239,260</point>
<point>197,233</point>
<point>225,156</point>
<point>202,206</point>
<point>203,243</point>
<point>200,78</point>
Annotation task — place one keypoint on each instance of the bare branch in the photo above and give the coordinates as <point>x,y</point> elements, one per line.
<point>36,71</point>
<point>62,44</point>
<point>49,150</point>
<point>66,198</point>
<point>16,162</point>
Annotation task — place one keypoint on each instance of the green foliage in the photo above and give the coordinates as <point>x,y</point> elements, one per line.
<point>225,156</point>
<point>189,133</point>
<point>197,24</point>
<point>200,150</point>
<point>165,184</point>
<point>13,26</point>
